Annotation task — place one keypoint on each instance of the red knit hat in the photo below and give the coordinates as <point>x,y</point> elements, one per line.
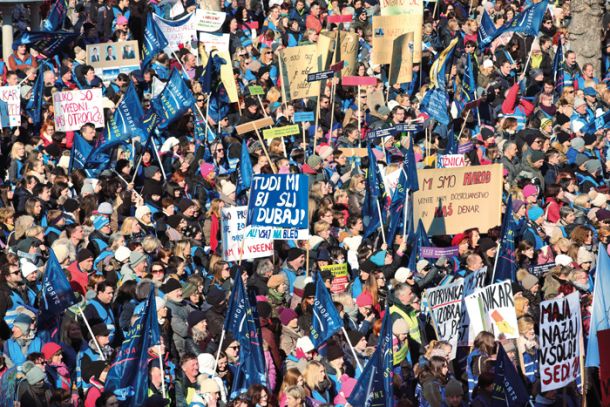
<point>364,299</point>
<point>50,349</point>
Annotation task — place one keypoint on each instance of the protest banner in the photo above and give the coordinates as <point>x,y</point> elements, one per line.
<point>348,52</point>
<point>208,20</point>
<point>181,32</point>
<point>280,201</point>
<point>283,131</point>
<point>11,96</point>
<point>492,309</point>
<point>354,152</point>
<point>256,90</point>
<point>235,246</point>
<point>450,161</point>
<point>381,132</point>
<point>254,125</point>
<point>401,66</point>
<point>320,76</point>
<point>432,252</point>
<point>325,47</point>
<point>453,199</point>
<point>339,18</point>
<point>211,41</point>
<point>445,303</point>
<point>538,271</point>
<point>387,28</point>
<point>401,7</point>
<point>560,330</point>
<point>111,59</point>
<point>472,282</point>
<point>278,233</point>
<point>297,63</point>
<point>74,108</point>
<point>303,117</point>
<point>340,279</point>
<point>359,81</point>
<point>603,341</point>
<point>375,99</point>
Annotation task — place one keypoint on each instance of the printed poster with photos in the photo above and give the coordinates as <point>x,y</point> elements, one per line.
<point>112,58</point>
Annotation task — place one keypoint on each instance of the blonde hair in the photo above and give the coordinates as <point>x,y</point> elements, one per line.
<point>13,153</point>
<point>150,244</point>
<point>273,95</point>
<point>128,224</point>
<point>320,226</point>
<point>525,324</point>
<point>22,224</point>
<point>6,213</point>
<point>520,304</point>
<point>34,231</point>
<point>179,248</point>
<point>313,374</point>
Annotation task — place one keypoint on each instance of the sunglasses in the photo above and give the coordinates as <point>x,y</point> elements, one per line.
<point>200,100</point>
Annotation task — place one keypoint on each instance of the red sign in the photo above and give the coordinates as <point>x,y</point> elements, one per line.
<point>339,18</point>
<point>339,284</point>
<point>337,67</point>
<point>603,342</point>
<point>359,81</point>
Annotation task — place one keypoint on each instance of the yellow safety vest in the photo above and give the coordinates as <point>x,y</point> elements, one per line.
<point>411,321</point>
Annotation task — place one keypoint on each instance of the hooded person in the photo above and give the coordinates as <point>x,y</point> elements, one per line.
<point>22,342</point>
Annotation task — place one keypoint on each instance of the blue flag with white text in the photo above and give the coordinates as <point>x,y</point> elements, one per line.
<point>374,190</point>
<point>397,206</point>
<point>601,306</point>
<point>80,152</point>
<point>509,389</point>
<point>487,28</point>
<point>374,386</point>
<point>421,239</point>
<point>244,179</point>
<point>57,16</point>
<point>154,41</point>
<point>128,375</point>
<point>506,268</point>
<point>34,106</point>
<point>127,118</point>
<point>558,68</point>
<point>175,99</point>
<point>47,43</point>
<point>436,99</point>
<point>57,295</point>
<point>326,320</point>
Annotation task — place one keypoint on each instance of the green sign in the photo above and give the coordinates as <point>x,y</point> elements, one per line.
<point>281,131</point>
<point>256,90</point>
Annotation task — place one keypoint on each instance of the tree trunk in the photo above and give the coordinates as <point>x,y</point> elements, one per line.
<point>585,32</point>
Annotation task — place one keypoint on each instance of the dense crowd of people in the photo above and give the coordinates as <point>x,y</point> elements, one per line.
<point>152,220</point>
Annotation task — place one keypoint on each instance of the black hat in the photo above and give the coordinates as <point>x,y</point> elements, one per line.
<point>53,150</point>
<point>486,244</point>
<point>71,205</point>
<point>195,317</point>
<point>536,155</point>
<point>562,137</point>
<point>323,254</point>
<point>100,330</point>
<point>170,285</point>
<point>174,220</point>
<point>294,253</point>
<point>264,309</point>
<point>354,337</point>
<point>92,369</point>
<point>215,296</point>
<point>149,172</point>
<point>590,139</point>
<point>184,204</point>
<point>368,266</point>
<point>333,352</point>
<point>83,255</point>
<point>309,290</point>
<point>120,164</point>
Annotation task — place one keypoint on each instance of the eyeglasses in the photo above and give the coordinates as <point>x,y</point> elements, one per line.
<point>200,100</point>
<point>157,270</point>
<point>234,347</point>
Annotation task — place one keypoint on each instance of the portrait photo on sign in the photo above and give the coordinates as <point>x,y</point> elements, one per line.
<point>113,55</point>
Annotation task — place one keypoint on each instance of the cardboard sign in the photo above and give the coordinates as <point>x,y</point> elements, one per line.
<point>208,20</point>
<point>340,277</point>
<point>12,97</point>
<point>349,44</point>
<point>450,161</point>
<point>445,302</point>
<point>297,63</point>
<point>359,81</point>
<point>219,42</point>
<point>256,90</point>
<point>280,200</point>
<point>110,59</point>
<point>76,107</point>
<point>401,7</point>
<point>339,18</point>
<point>284,131</point>
<point>254,125</point>
<point>451,200</point>
<point>320,76</point>
<point>304,117</point>
<point>387,28</point>
<point>560,330</point>
<point>401,67</point>
<point>234,247</point>
<point>492,309</point>
<point>181,32</point>
<point>354,152</point>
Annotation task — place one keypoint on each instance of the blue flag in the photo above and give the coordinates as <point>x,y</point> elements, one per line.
<point>47,43</point>
<point>80,152</point>
<point>175,99</point>
<point>154,41</point>
<point>599,315</point>
<point>4,117</point>
<point>527,22</point>
<point>34,106</point>
<point>57,295</point>
<point>326,320</point>
<point>469,81</point>
<point>374,386</point>
<point>128,375</point>
<point>421,239</point>
<point>212,70</point>
<point>506,268</point>
<point>100,158</point>
<point>487,28</point>
<point>436,99</point>
<point>397,206</point>
<point>244,179</point>
<point>410,168</point>
<point>558,68</point>
<point>509,389</point>
<point>57,16</point>
<point>127,118</point>
<point>371,206</point>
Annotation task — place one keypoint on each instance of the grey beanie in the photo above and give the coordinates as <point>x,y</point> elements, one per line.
<point>592,166</point>
<point>33,373</point>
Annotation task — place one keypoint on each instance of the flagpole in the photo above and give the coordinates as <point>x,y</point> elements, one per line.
<point>406,211</point>
<point>359,121</point>
<point>380,221</point>
<point>162,373</point>
<point>126,183</point>
<point>135,173</point>
<point>493,274</point>
<point>265,150</point>
<point>154,146</point>
<point>351,347</point>
<point>222,338</point>
<point>97,345</point>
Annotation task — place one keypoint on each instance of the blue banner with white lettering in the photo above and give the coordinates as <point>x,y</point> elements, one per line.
<point>175,99</point>
<point>244,179</point>
<point>509,389</point>
<point>47,43</point>
<point>326,320</point>
<point>154,41</point>
<point>57,295</point>
<point>487,28</point>
<point>80,152</point>
<point>127,118</point>
<point>280,200</point>
<point>558,68</point>
<point>506,267</point>
<point>34,106</point>
<point>601,305</point>
<point>57,15</point>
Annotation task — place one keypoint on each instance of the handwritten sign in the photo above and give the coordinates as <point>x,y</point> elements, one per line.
<point>77,107</point>
<point>256,90</point>
<point>284,131</point>
<point>297,64</point>
<point>349,43</point>
<point>254,125</point>
<point>401,7</point>
<point>401,67</point>
<point>234,231</point>
<point>387,28</point>
<point>303,117</point>
<point>320,76</point>
<point>492,309</point>
<point>445,302</point>
<point>214,41</point>
<point>472,283</point>
<point>208,20</point>
<point>451,161</point>
<point>453,199</point>
<point>11,96</point>
<point>280,200</point>
<point>179,32</point>
<point>359,81</point>
<point>560,327</point>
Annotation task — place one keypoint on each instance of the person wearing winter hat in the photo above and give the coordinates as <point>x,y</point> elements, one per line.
<point>290,330</point>
<point>530,282</point>
<point>199,339</point>
<point>454,393</point>
<point>579,118</point>
<point>400,330</point>
<point>487,249</point>
<point>99,238</point>
<point>336,363</point>
<point>32,391</point>
<point>138,264</point>
<point>56,369</point>
<point>208,392</point>
<point>293,266</point>
<point>534,233</point>
<point>22,341</point>
<point>207,368</point>
<point>403,274</point>
<point>80,269</point>
<point>530,193</point>
<point>277,293</point>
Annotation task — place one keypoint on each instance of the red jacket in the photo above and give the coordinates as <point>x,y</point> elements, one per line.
<point>78,279</point>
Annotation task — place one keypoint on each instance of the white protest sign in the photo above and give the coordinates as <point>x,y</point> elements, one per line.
<point>492,309</point>
<point>233,231</point>
<point>214,41</point>
<point>472,282</point>
<point>77,107</point>
<point>178,32</point>
<point>451,161</point>
<point>559,341</point>
<point>210,21</point>
<point>12,97</point>
<point>445,302</point>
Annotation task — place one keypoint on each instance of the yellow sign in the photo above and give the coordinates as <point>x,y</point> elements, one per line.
<point>297,63</point>
<point>387,28</point>
<point>451,200</point>
<point>337,270</point>
<point>281,131</point>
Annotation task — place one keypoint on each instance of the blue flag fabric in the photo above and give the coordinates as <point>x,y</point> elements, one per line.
<point>34,106</point>
<point>370,208</point>
<point>127,118</point>
<point>47,43</point>
<point>242,322</point>
<point>436,99</point>
<point>558,68</point>
<point>128,378</point>
<point>410,167</point>
<point>80,152</point>
<point>57,295</point>
<point>212,70</point>
<point>469,82</point>
<point>57,16</point>
<point>4,117</point>
<point>599,315</point>
<point>154,41</point>
<point>244,179</point>
<point>509,389</point>
<point>397,206</point>
<point>506,268</point>
<point>100,158</point>
<point>421,239</point>
<point>326,320</point>
<point>527,22</point>
<point>175,99</point>
<point>487,28</point>
<point>374,386</point>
